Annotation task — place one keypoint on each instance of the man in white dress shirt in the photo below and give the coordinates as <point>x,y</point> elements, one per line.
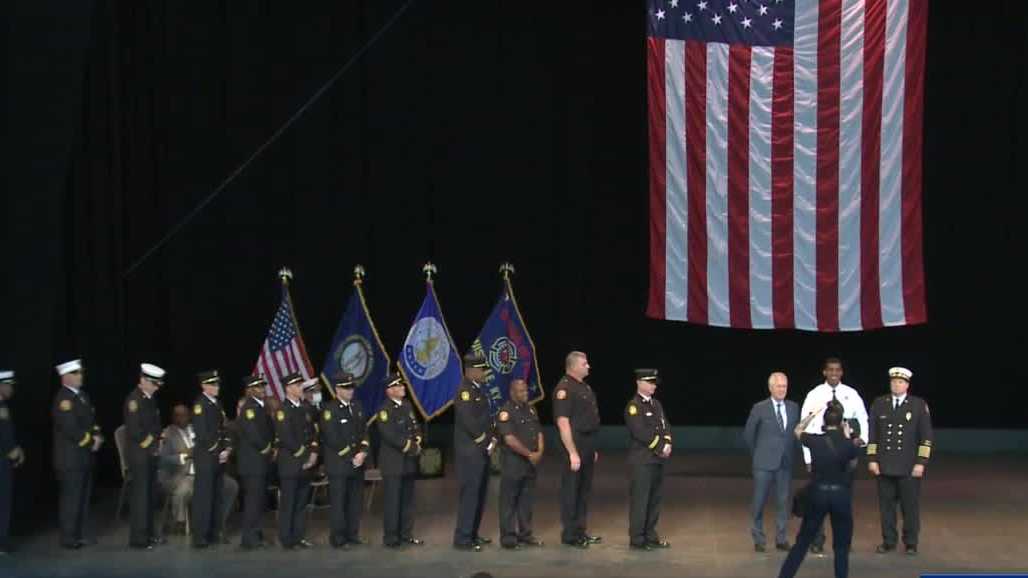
<point>853,410</point>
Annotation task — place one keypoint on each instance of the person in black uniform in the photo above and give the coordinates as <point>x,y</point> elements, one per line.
<point>142,440</point>
<point>11,456</point>
<point>211,451</point>
<point>832,456</point>
<point>76,438</point>
<point>578,420</point>
<point>523,448</point>
<point>297,455</point>
<point>473,443</point>
<point>253,454</point>
<point>898,424</point>
<point>398,460</point>
<point>649,449</point>
<point>344,439</point>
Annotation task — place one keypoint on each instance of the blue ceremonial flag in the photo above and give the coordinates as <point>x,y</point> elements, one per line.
<point>429,360</point>
<point>506,344</point>
<point>357,350</point>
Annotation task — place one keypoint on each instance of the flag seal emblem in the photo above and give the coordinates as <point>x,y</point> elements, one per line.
<point>503,355</point>
<point>427,349</point>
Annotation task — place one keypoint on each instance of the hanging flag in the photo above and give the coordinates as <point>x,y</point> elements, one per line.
<point>785,168</point>
<point>507,346</point>
<point>429,360</point>
<point>357,350</point>
<point>283,351</point>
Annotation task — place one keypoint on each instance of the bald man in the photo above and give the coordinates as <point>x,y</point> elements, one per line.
<point>768,434</point>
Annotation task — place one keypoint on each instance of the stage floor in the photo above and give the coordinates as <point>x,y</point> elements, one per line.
<point>973,519</point>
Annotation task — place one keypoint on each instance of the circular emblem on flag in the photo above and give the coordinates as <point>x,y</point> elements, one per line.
<point>503,355</point>
<point>427,349</point>
<point>354,357</point>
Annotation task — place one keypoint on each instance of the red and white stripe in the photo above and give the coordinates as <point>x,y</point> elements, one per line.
<point>785,183</point>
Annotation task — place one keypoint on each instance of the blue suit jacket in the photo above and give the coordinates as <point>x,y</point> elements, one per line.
<point>772,448</point>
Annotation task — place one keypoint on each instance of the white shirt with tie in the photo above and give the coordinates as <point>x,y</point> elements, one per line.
<point>852,408</point>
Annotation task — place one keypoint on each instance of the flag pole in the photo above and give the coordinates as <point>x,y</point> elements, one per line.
<point>428,269</point>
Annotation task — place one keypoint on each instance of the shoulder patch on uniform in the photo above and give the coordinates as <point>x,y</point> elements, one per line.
<point>504,416</point>
<point>632,410</point>
<point>465,395</point>
<point>250,413</point>
<point>280,415</point>
<point>133,406</point>
<point>383,415</point>
<point>65,405</point>
<point>198,409</point>
<point>562,393</point>
<point>327,415</point>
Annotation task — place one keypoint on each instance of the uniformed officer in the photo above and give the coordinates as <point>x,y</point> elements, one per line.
<point>11,456</point>
<point>523,447</point>
<point>398,460</point>
<point>76,438</point>
<point>473,443</point>
<point>211,451</point>
<point>142,441</point>
<point>649,449</point>
<point>900,445</point>
<point>344,440</point>
<point>578,420</point>
<point>256,435</point>
<point>297,455</point>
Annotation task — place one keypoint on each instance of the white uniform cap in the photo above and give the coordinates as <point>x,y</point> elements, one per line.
<point>901,372</point>
<point>69,367</point>
<point>152,371</point>
<point>6,375</point>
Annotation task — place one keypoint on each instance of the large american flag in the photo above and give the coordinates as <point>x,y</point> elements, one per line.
<point>785,162</point>
<point>283,351</point>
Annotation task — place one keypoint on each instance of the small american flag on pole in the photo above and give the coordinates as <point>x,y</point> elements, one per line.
<point>786,162</point>
<point>283,351</point>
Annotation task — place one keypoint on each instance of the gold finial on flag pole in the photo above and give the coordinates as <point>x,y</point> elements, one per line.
<point>358,274</point>
<point>506,270</point>
<point>429,269</point>
<point>285,275</point>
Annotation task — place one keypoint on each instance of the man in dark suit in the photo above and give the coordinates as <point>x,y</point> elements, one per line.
<point>769,436</point>
<point>256,435</point>
<point>142,442</point>
<point>210,454</point>
<point>297,455</point>
<point>344,440</point>
<point>473,443</point>
<point>77,437</point>
<point>398,459</point>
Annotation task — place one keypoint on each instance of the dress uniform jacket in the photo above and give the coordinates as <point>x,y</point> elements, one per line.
<point>142,427</point>
<point>649,430</point>
<point>294,428</point>
<point>899,438</point>
<point>344,434</point>
<point>256,435</point>
<point>521,421</point>
<point>74,430</point>
<point>474,421</point>
<point>401,438</point>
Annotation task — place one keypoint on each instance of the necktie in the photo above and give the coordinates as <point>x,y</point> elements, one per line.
<point>895,403</point>
<point>778,412</point>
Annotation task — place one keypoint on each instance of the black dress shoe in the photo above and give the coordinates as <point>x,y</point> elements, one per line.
<point>884,548</point>
<point>415,541</point>
<point>482,541</point>
<point>201,545</point>
<point>472,547</point>
<point>87,542</point>
<point>817,549</point>
<point>288,547</point>
<point>393,545</point>
<point>782,546</point>
<point>592,539</point>
<point>159,541</point>
<point>146,546</point>
<point>581,544</point>
<point>759,548</point>
<point>305,543</point>
<point>356,542</point>
<point>911,550</point>
<point>531,541</point>
<point>510,546</point>
<point>341,545</point>
<point>645,547</point>
<point>658,544</point>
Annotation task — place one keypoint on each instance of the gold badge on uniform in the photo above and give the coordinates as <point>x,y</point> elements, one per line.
<point>908,416</point>
<point>197,409</point>
<point>280,415</point>
<point>250,414</point>
<point>65,405</point>
<point>504,416</point>
<point>466,396</point>
<point>328,415</point>
<point>383,415</point>
<point>632,409</point>
<point>562,393</point>
<point>133,406</point>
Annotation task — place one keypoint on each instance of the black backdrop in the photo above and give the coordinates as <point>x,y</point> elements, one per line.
<point>470,134</point>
